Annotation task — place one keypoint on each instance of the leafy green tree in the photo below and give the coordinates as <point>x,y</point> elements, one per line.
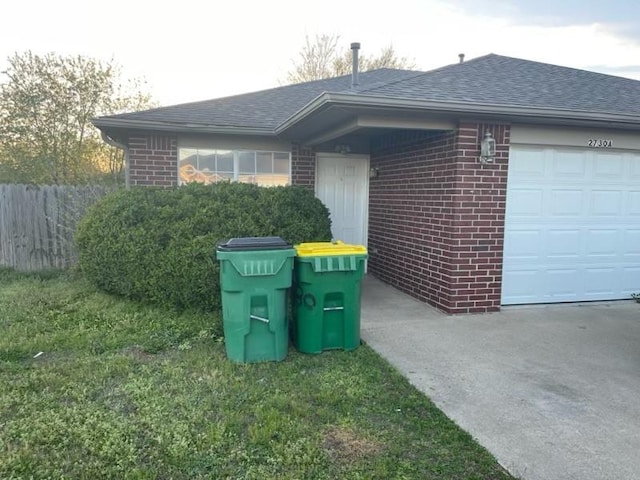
<point>322,58</point>
<point>46,106</point>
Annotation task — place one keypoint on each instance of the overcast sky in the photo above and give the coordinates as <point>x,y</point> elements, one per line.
<point>192,50</point>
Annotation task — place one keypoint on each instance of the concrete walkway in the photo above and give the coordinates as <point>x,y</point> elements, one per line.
<point>553,392</point>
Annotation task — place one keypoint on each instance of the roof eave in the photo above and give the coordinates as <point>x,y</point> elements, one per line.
<point>126,124</point>
<point>510,112</point>
<point>462,108</point>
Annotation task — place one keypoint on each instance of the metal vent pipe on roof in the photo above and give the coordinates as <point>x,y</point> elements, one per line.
<point>461,56</point>
<point>355,46</point>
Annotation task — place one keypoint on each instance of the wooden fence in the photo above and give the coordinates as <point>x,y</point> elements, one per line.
<point>37,224</point>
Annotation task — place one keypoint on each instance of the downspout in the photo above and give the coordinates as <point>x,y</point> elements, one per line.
<point>114,143</point>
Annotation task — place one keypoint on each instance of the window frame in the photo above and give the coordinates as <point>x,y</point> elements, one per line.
<point>237,175</point>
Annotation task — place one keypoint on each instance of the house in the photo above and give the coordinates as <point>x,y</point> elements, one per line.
<point>550,212</point>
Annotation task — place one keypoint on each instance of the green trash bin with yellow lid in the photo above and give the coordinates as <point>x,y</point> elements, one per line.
<point>255,278</point>
<point>327,278</point>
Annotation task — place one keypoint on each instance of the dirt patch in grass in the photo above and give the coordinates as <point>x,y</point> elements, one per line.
<point>346,446</point>
<point>138,353</point>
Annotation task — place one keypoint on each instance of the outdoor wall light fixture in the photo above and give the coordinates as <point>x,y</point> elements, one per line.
<point>487,149</point>
<point>373,172</point>
<point>343,148</point>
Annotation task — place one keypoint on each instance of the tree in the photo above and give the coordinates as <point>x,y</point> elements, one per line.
<point>128,97</point>
<point>46,106</point>
<point>320,58</point>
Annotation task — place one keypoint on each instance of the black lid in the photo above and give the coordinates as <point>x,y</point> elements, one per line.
<point>254,243</point>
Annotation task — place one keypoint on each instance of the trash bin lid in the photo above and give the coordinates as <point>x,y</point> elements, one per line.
<point>325,249</point>
<point>253,243</point>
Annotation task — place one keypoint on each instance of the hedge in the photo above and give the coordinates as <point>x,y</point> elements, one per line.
<point>157,245</point>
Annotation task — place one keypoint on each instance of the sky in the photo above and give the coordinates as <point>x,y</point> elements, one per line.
<point>191,50</point>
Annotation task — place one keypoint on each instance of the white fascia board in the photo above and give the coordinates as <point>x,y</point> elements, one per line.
<point>457,107</point>
<point>179,128</point>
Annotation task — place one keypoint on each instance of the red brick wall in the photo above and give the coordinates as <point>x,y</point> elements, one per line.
<point>153,160</point>
<point>410,218</point>
<point>436,217</point>
<point>478,222</point>
<point>303,166</point>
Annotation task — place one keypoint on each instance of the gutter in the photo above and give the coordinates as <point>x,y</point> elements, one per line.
<point>175,127</point>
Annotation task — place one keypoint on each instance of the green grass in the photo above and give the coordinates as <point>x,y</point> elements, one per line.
<point>124,390</point>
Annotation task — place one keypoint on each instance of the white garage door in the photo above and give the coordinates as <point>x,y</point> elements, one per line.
<point>572,228</point>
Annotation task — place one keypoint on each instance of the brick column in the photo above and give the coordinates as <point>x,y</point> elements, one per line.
<point>303,166</point>
<point>478,207</point>
<point>153,160</point>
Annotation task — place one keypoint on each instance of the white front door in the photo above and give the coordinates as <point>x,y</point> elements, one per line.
<point>572,229</point>
<point>342,183</point>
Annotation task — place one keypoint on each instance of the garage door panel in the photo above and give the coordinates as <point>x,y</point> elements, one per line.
<point>631,243</point>
<point>572,234</point>
<point>606,203</point>
<point>629,279</point>
<point>602,243</point>
<point>527,202</point>
<point>519,284</point>
<point>569,164</point>
<point>523,245</point>
<point>634,165</point>
<point>599,282</point>
<point>530,167</point>
<point>566,202</point>
<point>609,165</point>
<point>633,203</point>
<point>560,284</point>
<point>562,243</point>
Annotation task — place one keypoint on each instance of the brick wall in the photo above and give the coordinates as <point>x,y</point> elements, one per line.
<point>153,160</point>
<point>303,166</point>
<point>436,217</point>
<point>478,223</point>
<point>410,218</point>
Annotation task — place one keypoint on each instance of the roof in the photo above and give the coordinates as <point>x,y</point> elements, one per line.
<point>491,84</point>
<point>514,82</point>
<point>265,109</point>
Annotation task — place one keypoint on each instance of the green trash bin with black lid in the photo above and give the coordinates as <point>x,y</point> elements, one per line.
<point>255,277</point>
<point>327,282</point>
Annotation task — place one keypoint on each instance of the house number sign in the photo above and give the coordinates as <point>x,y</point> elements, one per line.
<point>600,143</point>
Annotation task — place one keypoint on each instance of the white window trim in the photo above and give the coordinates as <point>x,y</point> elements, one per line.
<point>236,160</point>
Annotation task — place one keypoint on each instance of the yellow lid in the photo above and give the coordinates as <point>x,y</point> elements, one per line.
<point>324,249</point>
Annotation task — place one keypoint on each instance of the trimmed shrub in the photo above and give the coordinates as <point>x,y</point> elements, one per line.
<point>158,245</point>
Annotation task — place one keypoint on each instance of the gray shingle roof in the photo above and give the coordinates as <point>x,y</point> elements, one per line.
<point>488,80</point>
<point>494,79</point>
<point>264,109</point>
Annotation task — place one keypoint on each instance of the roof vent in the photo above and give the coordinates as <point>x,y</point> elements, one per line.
<point>461,57</point>
<point>355,46</point>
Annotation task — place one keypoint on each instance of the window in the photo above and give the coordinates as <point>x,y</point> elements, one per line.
<point>210,166</point>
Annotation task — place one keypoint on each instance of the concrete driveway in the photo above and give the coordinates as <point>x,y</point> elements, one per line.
<point>553,392</point>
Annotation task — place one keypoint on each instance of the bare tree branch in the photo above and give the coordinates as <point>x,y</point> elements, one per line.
<point>321,58</point>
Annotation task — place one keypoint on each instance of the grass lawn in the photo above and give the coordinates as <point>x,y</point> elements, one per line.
<point>123,390</point>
